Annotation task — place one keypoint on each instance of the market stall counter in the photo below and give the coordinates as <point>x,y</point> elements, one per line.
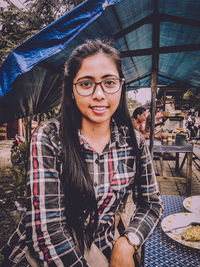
<point>179,146</point>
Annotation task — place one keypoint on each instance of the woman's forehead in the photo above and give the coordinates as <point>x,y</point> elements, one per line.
<point>97,65</point>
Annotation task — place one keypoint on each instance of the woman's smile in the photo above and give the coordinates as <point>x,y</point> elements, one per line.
<point>99,109</point>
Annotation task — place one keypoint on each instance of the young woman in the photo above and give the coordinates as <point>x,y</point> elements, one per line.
<point>82,167</point>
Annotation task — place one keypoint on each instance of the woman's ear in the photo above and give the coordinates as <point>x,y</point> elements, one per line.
<point>73,96</point>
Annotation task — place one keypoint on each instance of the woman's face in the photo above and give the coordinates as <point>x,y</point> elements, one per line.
<point>142,117</point>
<point>98,107</point>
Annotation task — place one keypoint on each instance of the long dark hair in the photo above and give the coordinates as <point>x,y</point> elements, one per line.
<point>80,201</point>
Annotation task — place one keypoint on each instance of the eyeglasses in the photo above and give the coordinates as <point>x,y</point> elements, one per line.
<point>109,86</point>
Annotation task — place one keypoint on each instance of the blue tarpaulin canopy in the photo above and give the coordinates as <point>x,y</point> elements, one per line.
<point>155,37</point>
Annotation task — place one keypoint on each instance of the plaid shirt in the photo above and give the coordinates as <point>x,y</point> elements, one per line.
<point>42,228</point>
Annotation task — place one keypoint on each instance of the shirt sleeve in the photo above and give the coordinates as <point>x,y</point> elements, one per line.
<point>149,207</point>
<point>47,238</point>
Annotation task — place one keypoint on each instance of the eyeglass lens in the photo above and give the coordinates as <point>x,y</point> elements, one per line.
<point>88,87</point>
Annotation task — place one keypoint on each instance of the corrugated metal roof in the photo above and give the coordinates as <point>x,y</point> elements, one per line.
<point>130,24</point>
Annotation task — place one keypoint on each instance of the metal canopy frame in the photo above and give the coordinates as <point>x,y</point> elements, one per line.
<point>161,18</point>
<point>161,50</point>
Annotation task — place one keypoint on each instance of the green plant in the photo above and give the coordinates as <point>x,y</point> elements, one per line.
<point>19,159</point>
<point>52,113</point>
<point>132,104</point>
<point>12,195</point>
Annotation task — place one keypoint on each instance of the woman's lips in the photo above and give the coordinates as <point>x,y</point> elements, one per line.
<point>99,109</point>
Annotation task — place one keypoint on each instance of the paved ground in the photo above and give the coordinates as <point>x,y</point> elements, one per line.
<point>5,146</point>
<point>176,188</point>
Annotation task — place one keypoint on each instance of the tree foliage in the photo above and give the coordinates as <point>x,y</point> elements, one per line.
<point>14,29</point>
<point>46,12</point>
<point>132,104</point>
<point>17,25</point>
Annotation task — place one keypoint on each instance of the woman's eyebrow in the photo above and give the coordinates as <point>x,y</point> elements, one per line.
<point>109,75</point>
<point>86,77</point>
<point>92,78</point>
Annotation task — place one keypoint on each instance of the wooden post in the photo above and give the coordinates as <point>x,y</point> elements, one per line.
<point>189,173</point>
<point>27,126</point>
<point>154,75</point>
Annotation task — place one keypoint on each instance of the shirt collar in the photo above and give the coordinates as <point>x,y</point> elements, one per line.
<point>118,136</point>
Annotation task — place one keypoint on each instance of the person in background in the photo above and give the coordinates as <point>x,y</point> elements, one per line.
<point>159,123</point>
<point>82,166</point>
<point>139,120</point>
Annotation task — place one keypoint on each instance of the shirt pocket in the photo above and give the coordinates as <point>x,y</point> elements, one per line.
<point>123,180</point>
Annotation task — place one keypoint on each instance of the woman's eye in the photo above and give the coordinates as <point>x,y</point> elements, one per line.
<point>110,83</point>
<point>86,84</point>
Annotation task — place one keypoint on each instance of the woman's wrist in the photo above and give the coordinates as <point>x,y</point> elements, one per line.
<point>132,239</point>
<point>123,242</point>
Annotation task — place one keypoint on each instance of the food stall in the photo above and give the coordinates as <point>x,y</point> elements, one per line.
<point>174,134</point>
<point>174,105</point>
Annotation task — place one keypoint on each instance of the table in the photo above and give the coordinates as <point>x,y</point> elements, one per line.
<point>162,251</point>
<point>180,146</point>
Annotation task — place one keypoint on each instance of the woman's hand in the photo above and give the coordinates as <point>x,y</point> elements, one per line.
<point>122,254</point>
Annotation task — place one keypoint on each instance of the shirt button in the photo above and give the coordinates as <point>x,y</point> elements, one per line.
<point>96,161</point>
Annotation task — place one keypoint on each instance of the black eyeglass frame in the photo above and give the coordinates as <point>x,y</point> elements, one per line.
<point>122,80</point>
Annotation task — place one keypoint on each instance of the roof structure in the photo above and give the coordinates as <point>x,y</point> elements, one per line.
<point>159,41</point>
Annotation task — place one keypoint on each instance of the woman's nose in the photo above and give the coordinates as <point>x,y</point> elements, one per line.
<point>98,92</point>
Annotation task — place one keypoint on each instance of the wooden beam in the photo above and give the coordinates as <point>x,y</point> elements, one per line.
<point>137,79</point>
<point>180,83</point>
<point>133,27</point>
<point>180,90</point>
<point>154,75</point>
<point>137,52</point>
<point>181,180</point>
<point>179,48</point>
<point>161,18</point>
<point>179,20</point>
<point>169,78</point>
<point>189,172</point>
<point>161,50</point>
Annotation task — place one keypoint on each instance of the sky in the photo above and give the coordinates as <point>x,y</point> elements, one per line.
<point>18,3</point>
<point>142,95</point>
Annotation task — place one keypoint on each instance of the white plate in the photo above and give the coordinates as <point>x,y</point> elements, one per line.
<point>192,204</point>
<point>177,220</point>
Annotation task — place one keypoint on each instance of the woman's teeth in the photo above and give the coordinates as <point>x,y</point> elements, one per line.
<point>98,108</point>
